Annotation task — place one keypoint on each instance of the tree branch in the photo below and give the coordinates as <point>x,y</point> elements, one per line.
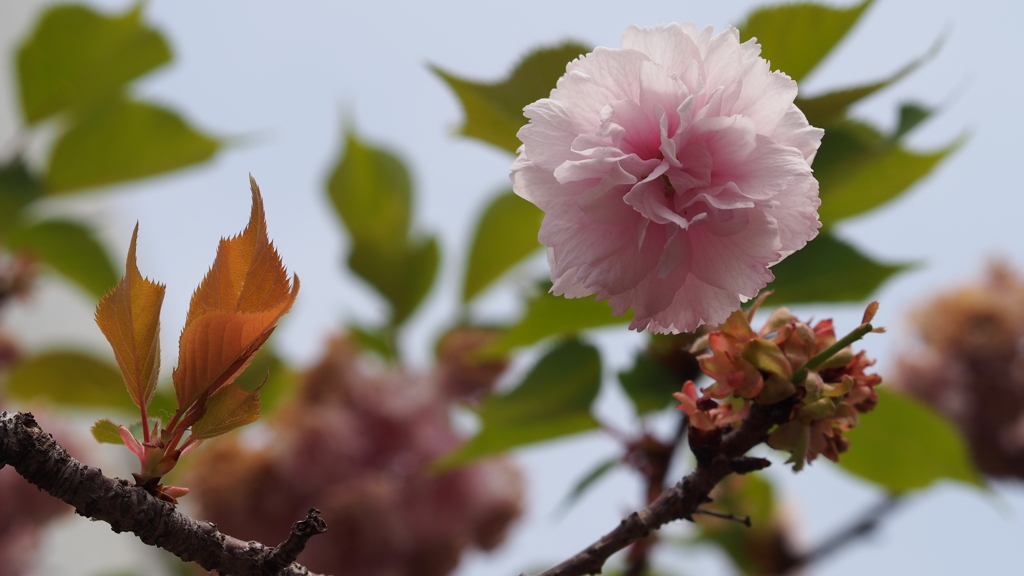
<point>717,457</point>
<point>127,508</point>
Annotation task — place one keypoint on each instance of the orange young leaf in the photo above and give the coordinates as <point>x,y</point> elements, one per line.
<point>229,408</point>
<point>233,311</point>
<point>129,316</point>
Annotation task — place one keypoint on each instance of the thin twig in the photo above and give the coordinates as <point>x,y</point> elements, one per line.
<point>745,520</point>
<point>127,508</point>
<point>716,455</point>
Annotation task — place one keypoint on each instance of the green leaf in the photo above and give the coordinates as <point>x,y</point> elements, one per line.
<point>649,384</point>
<point>71,249</point>
<point>124,140</point>
<point>911,115</point>
<point>70,379</point>
<point>380,341</point>
<point>747,495</point>
<point>859,169</point>
<point>506,234</point>
<point>76,56</point>
<point>830,108</point>
<point>552,401</point>
<point>372,193</point>
<point>404,278</point>
<point>106,432</point>
<point>275,380</point>
<point>494,112</point>
<point>828,270</point>
<point>18,188</point>
<point>903,445</point>
<point>549,315</point>
<point>588,480</point>
<point>796,37</point>
<point>229,408</point>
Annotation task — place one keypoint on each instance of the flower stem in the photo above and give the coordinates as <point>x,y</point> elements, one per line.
<point>859,332</point>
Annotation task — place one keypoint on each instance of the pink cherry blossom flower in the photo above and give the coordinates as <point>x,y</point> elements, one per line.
<point>673,172</point>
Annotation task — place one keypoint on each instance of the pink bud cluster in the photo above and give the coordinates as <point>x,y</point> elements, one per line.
<point>786,359</point>
<point>357,444</point>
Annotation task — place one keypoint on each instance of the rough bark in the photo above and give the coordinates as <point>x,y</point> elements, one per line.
<point>126,507</point>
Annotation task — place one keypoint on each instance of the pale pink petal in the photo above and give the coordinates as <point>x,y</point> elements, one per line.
<point>672,172</point>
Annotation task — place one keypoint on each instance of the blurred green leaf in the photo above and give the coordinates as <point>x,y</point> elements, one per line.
<point>858,168</point>
<point>903,445</point>
<point>494,112</point>
<point>106,432</point>
<point>277,379</point>
<point>864,183</point>
<point>552,401</point>
<point>124,140</point>
<point>796,37</point>
<point>18,188</point>
<point>404,278</point>
<point>379,341</point>
<point>71,249</point>
<point>372,193</point>
<point>830,108</point>
<point>828,270</point>
<point>76,56</point>
<point>911,115</point>
<point>549,315</point>
<point>70,379</point>
<point>588,480</point>
<point>649,384</point>
<point>164,402</point>
<point>742,496</point>
<point>506,233</point>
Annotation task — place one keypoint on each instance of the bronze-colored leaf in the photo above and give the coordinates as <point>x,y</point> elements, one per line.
<point>233,311</point>
<point>129,316</point>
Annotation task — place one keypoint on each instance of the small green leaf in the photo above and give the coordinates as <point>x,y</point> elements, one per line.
<point>372,193</point>
<point>71,249</point>
<point>71,379</point>
<point>588,480</point>
<point>18,188</point>
<point>649,384</point>
<point>106,432</point>
<point>494,112</point>
<point>903,445</point>
<point>552,401</point>
<point>828,270</point>
<point>229,408</point>
<point>796,37</point>
<point>506,234</point>
<point>124,140</point>
<point>550,315</point>
<point>76,56</point>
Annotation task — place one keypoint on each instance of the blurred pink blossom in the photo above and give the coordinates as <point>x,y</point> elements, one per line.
<point>672,172</point>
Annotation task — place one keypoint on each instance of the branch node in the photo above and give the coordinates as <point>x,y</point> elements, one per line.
<point>747,464</point>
